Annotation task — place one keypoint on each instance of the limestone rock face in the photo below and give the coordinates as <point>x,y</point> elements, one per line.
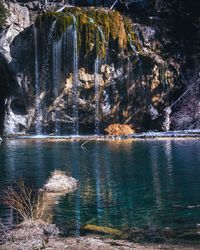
<point>10,83</point>
<point>17,20</point>
<point>119,129</point>
<point>82,69</point>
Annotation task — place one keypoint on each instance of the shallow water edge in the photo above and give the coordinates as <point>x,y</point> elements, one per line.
<point>183,134</point>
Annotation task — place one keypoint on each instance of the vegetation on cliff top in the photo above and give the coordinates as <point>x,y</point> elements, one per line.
<point>3,13</point>
<point>96,28</point>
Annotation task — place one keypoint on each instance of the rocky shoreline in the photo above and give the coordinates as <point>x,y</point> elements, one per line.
<point>184,134</point>
<point>94,243</point>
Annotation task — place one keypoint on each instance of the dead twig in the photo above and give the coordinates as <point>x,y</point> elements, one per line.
<point>82,145</point>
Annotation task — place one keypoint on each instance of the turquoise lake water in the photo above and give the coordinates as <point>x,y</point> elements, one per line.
<point>122,183</point>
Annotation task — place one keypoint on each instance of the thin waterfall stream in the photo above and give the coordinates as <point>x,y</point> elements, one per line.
<point>96,82</point>
<point>58,87</point>
<point>38,108</point>
<point>75,97</point>
<point>57,60</point>
<point>61,59</point>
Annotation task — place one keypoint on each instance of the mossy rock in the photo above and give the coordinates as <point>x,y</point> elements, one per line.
<point>102,230</point>
<point>94,26</point>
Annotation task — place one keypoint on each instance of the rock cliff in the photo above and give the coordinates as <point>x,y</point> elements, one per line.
<point>72,70</point>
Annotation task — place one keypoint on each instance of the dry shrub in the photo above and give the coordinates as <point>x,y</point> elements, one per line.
<point>28,204</point>
<point>119,129</point>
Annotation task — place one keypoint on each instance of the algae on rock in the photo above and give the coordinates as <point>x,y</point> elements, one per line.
<point>94,26</point>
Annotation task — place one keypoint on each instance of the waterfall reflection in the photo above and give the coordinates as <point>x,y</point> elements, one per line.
<point>110,193</point>
<point>75,171</point>
<point>97,160</point>
<point>156,175</point>
<point>122,183</point>
<point>168,155</point>
<point>39,164</point>
<point>10,172</point>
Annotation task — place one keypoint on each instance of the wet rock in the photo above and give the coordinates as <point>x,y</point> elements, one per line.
<point>15,23</point>
<point>13,122</point>
<point>167,121</point>
<point>100,229</point>
<point>59,182</point>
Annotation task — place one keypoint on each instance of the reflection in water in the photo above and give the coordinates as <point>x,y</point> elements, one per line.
<point>76,174</point>
<point>120,145</point>
<point>169,159</point>
<point>39,163</point>
<point>98,184</point>
<point>10,160</point>
<point>156,175</point>
<point>10,174</point>
<point>110,194</point>
<point>122,184</point>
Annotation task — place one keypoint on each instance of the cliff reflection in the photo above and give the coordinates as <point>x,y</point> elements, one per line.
<point>122,184</point>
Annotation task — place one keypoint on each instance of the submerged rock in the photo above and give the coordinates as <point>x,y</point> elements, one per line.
<point>100,229</point>
<point>59,182</point>
<point>119,129</point>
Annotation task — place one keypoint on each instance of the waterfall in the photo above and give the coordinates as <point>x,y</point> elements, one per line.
<point>101,32</point>
<point>75,79</point>
<point>133,48</point>
<point>38,106</point>
<point>57,61</point>
<point>50,36</point>
<point>48,52</point>
<point>96,83</point>
<point>68,61</point>
<point>56,68</point>
<point>91,20</point>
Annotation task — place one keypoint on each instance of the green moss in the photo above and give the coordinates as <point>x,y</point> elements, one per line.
<point>3,13</point>
<point>90,23</point>
<point>132,37</point>
<point>44,21</point>
<point>100,229</point>
<point>63,21</point>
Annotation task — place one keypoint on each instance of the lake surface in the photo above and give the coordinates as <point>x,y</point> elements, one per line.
<point>122,183</point>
